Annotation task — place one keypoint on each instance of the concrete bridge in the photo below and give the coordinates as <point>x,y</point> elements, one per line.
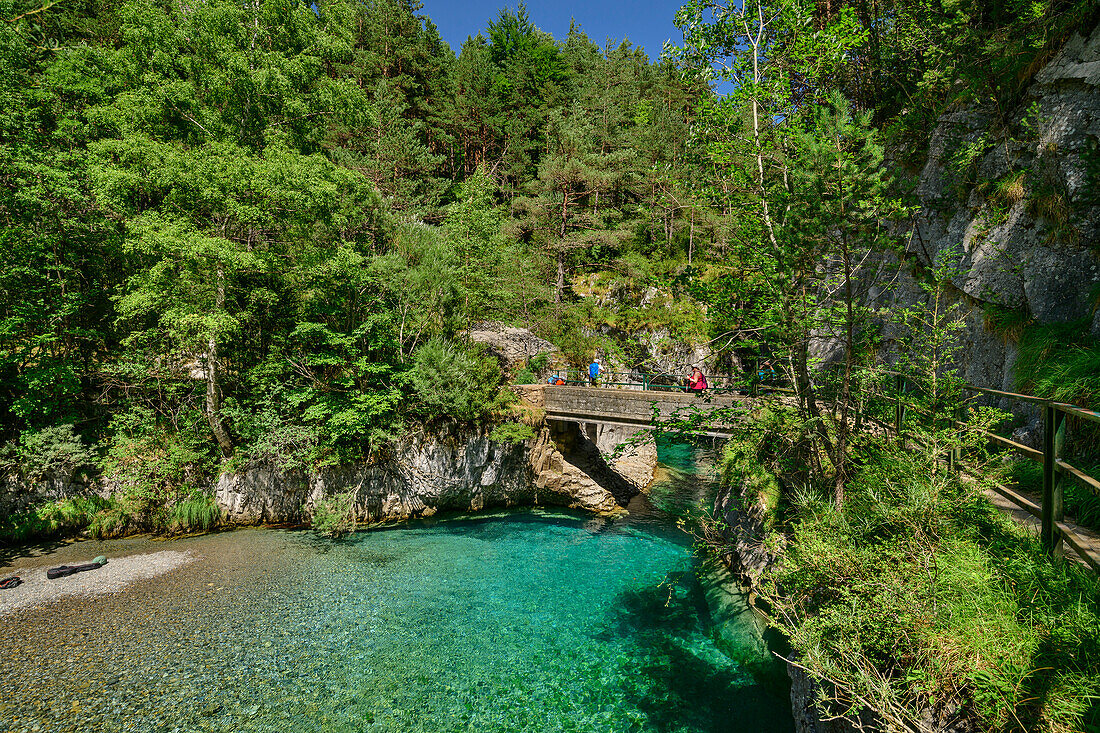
<point>593,407</point>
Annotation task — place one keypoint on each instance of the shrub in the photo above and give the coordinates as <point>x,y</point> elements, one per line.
<point>53,451</point>
<point>918,592</point>
<point>525,376</point>
<point>115,521</point>
<point>154,472</point>
<point>453,383</point>
<point>53,519</point>
<point>512,433</point>
<point>335,515</point>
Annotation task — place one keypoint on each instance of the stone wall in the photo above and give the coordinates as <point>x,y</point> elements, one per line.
<point>627,406</point>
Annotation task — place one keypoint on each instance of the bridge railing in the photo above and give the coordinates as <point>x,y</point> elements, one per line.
<point>661,382</point>
<point>1056,469</point>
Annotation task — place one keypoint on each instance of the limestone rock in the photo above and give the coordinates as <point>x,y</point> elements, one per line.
<point>513,346</point>
<point>424,474</point>
<point>1032,252</point>
<point>743,516</point>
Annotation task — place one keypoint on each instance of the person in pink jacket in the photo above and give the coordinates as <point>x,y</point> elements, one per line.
<point>697,382</point>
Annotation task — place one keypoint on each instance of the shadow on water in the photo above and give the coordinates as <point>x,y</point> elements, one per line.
<point>677,683</point>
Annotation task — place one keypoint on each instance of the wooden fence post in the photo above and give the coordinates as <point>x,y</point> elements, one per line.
<point>899,408</point>
<point>1054,438</point>
<point>954,459</point>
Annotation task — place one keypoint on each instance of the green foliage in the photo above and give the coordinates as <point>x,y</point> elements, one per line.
<point>115,521</point>
<point>1008,323</point>
<point>196,513</point>
<point>334,516</point>
<point>53,452</point>
<point>524,376</point>
<point>152,470</point>
<point>962,164</point>
<point>243,222</point>
<point>917,590</point>
<point>450,382</point>
<point>512,433</point>
<point>1060,361</point>
<point>64,517</point>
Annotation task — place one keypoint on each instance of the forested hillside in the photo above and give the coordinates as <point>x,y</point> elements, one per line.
<point>262,231</point>
<point>259,231</point>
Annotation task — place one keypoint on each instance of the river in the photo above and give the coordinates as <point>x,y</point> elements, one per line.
<point>527,620</point>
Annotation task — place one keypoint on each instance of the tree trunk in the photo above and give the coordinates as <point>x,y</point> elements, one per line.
<point>691,236</point>
<point>559,288</point>
<point>213,390</point>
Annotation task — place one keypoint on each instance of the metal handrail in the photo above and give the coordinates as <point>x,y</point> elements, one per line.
<point>650,381</point>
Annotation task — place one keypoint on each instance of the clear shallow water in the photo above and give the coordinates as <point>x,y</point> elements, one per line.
<point>525,621</point>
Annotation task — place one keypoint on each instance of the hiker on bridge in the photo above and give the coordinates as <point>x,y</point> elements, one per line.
<point>766,373</point>
<point>696,382</point>
<point>594,373</point>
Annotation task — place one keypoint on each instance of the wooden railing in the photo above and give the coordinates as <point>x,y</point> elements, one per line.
<point>1056,470</point>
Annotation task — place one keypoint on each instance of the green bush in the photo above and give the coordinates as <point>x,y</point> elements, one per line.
<point>62,518</point>
<point>117,520</point>
<point>525,376</point>
<point>335,516</point>
<point>453,383</point>
<point>53,451</point>
<point>917,590</point>
<point>153,472</point>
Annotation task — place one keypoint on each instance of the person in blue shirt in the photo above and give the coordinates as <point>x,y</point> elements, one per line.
<point>766,374</point>
<point>594,372</point>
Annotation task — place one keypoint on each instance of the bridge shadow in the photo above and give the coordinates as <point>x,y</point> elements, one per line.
<point>675,676</point>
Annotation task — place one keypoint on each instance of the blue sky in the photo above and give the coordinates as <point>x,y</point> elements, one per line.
<point>646,23</point>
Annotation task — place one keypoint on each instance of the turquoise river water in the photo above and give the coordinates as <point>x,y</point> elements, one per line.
<point>511,621</point>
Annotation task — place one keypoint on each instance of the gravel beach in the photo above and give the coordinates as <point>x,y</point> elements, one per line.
<point>37,589</point>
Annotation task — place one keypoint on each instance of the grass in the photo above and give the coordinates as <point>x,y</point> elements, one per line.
<point>108,518</point>
<point>1060,361</point>
<point>1008,323</point>
<point>115,521</point>
<point>197,513</point>
<point>52,519</point>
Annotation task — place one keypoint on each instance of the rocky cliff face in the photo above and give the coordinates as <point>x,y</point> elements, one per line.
<point>423,474</point>
<point>1026,222</point>
<point>18,493</point>
<point>1016,200</point>
<point>742,515</point>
